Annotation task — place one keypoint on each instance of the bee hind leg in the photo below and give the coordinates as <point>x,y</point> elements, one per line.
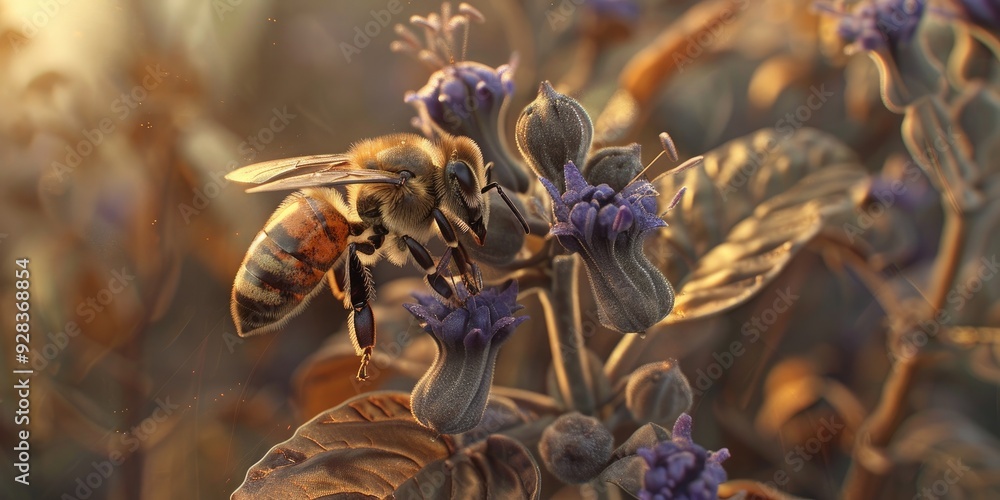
<point>360,291</point>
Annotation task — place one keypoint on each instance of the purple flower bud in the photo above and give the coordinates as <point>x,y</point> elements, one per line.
<point>575,448</point>
<point>882,23</point>
<point>607,228</point>
<point>679,468</point>
<point>552,130</point>
<point>451,397</point>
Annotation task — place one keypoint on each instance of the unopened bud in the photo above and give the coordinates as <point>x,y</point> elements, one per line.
<point>614,166</point>
<point>575,448</point>
<point>658,392</point>
<point>552,131</point>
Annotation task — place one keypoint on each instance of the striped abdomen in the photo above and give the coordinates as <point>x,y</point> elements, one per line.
<point>287,262</point>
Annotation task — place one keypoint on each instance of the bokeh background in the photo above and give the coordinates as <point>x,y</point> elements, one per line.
<point>119,119</point>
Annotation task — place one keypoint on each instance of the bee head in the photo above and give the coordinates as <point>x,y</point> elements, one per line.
<point>464,178</point>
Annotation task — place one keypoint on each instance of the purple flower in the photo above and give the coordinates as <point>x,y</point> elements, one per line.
<point>463,97</point>
<point>882,23</point>
<point>451,397</point>
<point>587,215</point>
<point>607,229</point>
<point>680,468</point>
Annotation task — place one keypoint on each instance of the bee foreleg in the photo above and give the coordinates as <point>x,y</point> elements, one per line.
<point>423,259</point>
<point>468,269</point>
<point>361,320</point>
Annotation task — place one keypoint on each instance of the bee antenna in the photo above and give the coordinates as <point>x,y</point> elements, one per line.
<point>493,185</point>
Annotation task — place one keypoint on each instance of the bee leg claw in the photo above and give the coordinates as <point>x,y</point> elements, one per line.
<point>365,359</point>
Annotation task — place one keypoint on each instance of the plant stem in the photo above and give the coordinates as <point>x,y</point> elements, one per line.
<point>569,355</point>
<point>877,430</point>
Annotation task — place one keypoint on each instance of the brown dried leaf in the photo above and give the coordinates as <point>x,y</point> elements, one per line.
<point>371,446</point>
<point>740,230</point>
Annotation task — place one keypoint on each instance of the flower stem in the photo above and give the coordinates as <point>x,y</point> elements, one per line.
<point>569,354</point>
<point>877,430</point>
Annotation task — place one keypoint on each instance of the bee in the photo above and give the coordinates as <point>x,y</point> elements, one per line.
<point>400,189</point>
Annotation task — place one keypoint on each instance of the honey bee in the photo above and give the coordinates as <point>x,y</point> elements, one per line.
<point>399,189</point>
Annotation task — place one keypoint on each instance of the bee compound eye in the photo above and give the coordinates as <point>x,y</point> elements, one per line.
<point>460,171</point>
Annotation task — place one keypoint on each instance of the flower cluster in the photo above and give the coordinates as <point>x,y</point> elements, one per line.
<point>468,330</point>
<point>464,98</point>
<point>461,98</point>
<point>680,468</point>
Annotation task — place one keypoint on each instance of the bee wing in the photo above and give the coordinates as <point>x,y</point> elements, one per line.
<point>307,171</point>
<point>259,173</point>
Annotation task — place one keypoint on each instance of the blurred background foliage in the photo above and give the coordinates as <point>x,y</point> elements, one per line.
<point>118,120</point>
